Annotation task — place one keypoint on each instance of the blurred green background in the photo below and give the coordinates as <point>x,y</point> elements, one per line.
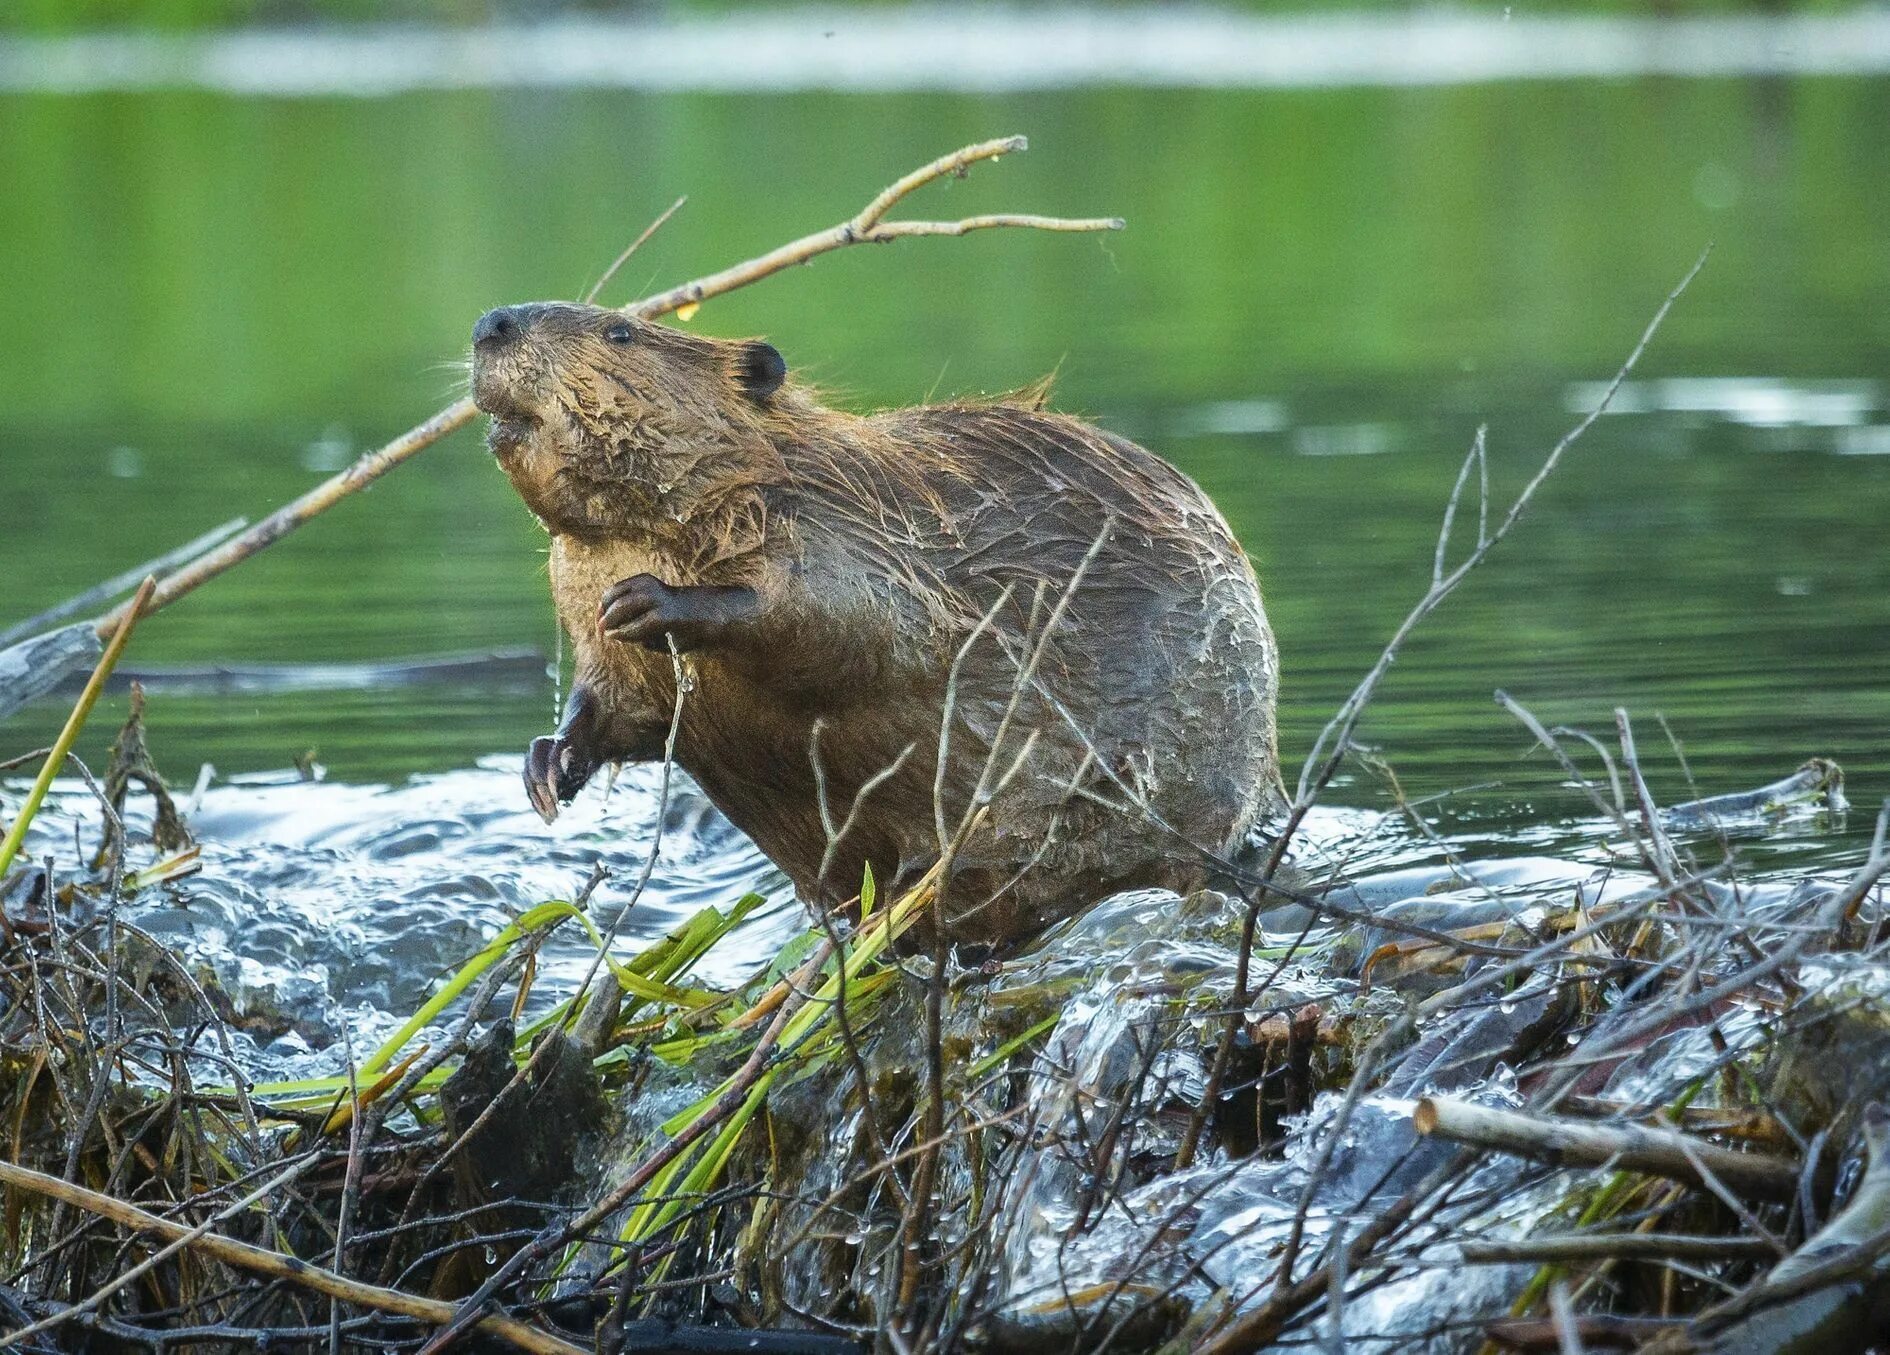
<point>214,301</point>
<point>71,15</point>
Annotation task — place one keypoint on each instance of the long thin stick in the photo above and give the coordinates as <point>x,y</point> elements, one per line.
<point>74,723</point>
<point>1616,1246</point>
<point>246,1256</point>
<point>100,593</point>
<point>869,227</point>
<point>1631,1147</point>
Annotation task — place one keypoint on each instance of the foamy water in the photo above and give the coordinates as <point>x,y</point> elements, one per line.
<point>937,49</point>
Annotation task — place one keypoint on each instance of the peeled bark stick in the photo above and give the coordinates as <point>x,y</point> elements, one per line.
<point>1564,1142</point>
<point>246,1256</point>
<point>1617,1247</point>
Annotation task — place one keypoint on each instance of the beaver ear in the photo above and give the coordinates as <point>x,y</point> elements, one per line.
<point>760,369</point>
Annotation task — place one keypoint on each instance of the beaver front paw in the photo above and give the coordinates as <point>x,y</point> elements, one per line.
<point>643,610</point>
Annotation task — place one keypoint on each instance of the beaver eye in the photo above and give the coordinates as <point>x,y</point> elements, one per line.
<point>619,334</point>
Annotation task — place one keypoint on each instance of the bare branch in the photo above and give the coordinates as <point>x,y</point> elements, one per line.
<point>261,1260</point>
<point>868,227</point>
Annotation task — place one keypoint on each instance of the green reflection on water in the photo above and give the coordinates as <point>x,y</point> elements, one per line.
<point>212,299</point>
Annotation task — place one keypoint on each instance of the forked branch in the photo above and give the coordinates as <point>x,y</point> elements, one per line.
<point>869,226</point>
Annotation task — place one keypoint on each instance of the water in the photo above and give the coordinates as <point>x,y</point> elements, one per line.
<point>930,48</point>
<point>216,300</point>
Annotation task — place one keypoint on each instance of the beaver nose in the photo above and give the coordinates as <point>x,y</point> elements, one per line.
<point>497,326</point>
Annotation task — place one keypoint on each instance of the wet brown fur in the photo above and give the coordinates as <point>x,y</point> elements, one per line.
<point>902,561</point>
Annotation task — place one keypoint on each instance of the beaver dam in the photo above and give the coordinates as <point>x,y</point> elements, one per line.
<point>287,1065</point>
<point>1625,1091</point>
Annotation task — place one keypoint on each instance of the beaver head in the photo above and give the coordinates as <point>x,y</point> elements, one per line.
<point>598,416</point>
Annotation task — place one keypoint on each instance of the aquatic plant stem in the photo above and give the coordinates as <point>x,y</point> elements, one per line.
<point>551,1239</point>
<point>246,1256</point>
<point>120,636</point>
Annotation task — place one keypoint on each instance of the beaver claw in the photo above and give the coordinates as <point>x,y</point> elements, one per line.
<point>558,765</point>
<point>554,773</point>
<point>644,610</point>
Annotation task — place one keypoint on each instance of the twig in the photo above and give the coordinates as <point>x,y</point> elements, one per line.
<point>246,1256</point>
<point>1616,1247</point>
<point>654,1336</point>
<point>1832,911</point>
<point>1852,1243</point>
<point>185,1237</point>
<point>1334,742</point>
<point>632,248</point>
<point>871,227</point>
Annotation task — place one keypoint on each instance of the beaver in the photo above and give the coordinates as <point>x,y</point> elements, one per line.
<point>885,622</point>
